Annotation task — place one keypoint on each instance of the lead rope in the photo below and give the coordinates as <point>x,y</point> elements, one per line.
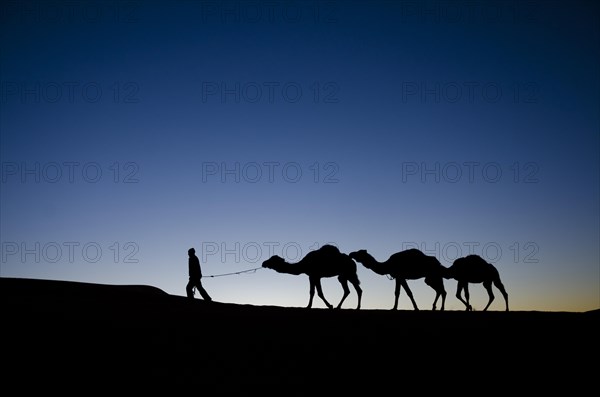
<point>228,274</point>
<point>240,272</point>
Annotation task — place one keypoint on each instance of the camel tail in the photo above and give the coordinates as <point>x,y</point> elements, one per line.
<point>496,274</point>
<point>497,280</point>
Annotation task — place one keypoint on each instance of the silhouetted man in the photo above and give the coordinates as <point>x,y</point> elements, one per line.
<point>195,276</point>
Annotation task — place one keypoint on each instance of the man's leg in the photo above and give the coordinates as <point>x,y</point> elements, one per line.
<point>189,289</point>
<point>202,291</point>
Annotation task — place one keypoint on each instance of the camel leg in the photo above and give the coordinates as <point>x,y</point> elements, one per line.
<point>320,293</point>
<point>488,287</point>
<point>409,292</point>
<point>437,292</point>
<point>311,293</point>
<point>468,297</point>
<point>438,286</point>
<point>344,283</point>
<point>437,295</point>
<point>500,287</point>
<point>443,299</point>
<point>460,286</point>
<point>396,294</point>
<point>356,285</point>
<point>440,292</point>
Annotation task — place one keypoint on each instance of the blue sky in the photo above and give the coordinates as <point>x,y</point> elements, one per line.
<point>132,131</point>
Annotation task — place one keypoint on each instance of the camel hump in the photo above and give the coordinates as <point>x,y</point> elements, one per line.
<point>330,249</point>
<point>473,257</point>
<point>477,265</point>
<point>476,259</point>
<point>409,254</point>
<point>325,251</point>
<point>414,252</point>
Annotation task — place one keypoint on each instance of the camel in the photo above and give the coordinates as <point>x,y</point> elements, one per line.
<point>327,261</point>
<point>474,269</point>
<point>405,265</point>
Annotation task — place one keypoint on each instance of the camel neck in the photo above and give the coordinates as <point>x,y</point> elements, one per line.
<point>374,265</point>
<point>289,268</point>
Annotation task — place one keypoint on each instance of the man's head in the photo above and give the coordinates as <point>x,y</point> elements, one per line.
<point>191,252</point>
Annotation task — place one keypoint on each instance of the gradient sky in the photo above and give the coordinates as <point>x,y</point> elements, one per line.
<point>132,131</point>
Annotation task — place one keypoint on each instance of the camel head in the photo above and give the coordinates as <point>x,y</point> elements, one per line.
<point>361,256</point>
<point>273,262</point>
<point>448,272</point>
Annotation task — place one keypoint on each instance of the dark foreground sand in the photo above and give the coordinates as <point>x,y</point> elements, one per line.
<point>59,336</point>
